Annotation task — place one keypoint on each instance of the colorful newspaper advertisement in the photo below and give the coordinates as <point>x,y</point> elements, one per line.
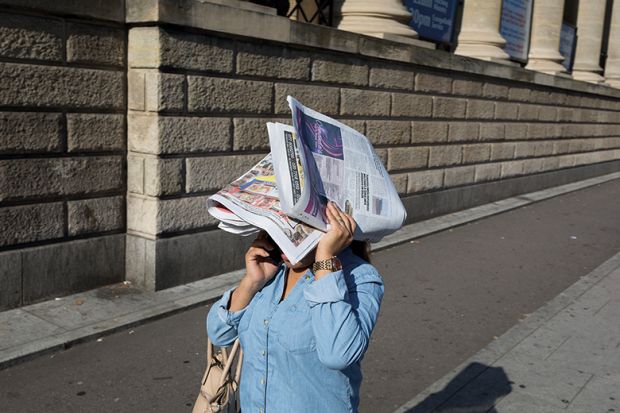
<point>251,202</point>
<point>338,164</point>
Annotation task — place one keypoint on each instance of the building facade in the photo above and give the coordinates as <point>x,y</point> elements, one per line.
<point>118,119</point>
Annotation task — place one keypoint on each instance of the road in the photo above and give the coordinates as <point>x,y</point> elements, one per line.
<point>447,296</point>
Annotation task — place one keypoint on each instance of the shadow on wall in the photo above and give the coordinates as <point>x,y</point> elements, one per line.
<point>476,389</point>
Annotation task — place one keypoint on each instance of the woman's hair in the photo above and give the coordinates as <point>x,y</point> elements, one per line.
<point>361,249</point>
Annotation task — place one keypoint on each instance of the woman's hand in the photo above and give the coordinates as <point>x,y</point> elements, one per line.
<point>339,236</point>
<point>259,267</point>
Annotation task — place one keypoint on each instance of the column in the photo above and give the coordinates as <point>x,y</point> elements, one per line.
<point>612,67</point>
<point>544,55</point>
<point>479,36</point>
<point>590,21</point>
<point>376,18</point>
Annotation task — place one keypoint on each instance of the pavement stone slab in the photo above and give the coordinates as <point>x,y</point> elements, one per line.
<point>19,327</point>
<point>601,394</point>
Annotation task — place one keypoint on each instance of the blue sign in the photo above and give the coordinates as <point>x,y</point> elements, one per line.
<point>568,41</point>
<point>515,28</point>
<point>433,19</point>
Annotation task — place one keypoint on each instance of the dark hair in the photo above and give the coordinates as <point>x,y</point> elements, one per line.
<point>361,249</point>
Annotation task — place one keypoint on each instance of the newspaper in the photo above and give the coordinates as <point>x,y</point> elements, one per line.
<point>340,165</point>
<point>286,193</point>
<point>251,203</point>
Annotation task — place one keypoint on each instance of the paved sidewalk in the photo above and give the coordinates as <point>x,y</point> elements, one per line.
<point>565,357</point>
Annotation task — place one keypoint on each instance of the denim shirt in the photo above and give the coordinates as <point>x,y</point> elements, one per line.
<point>303,354</point>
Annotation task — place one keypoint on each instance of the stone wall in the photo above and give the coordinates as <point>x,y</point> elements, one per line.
<point>199,101</point>
<point>62,154</point>
<point>115,128</point>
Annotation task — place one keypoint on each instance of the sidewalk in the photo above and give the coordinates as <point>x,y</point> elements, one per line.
<point>564,358</point>
<point>58,324</point>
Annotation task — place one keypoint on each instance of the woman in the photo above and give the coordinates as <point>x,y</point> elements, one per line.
<point>303,328</point>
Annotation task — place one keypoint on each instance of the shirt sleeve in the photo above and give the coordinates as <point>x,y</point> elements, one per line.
<point>343,316</point>
<point>222,324</point>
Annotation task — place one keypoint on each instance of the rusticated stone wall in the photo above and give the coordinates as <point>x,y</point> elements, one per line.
<point>62,154</point>
<point>199,101</point>
<point>118,119</point>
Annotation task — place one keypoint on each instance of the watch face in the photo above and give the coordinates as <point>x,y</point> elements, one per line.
<point>336,264</point>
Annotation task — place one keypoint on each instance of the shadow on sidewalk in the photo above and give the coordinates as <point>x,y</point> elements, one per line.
<point>476,389</point>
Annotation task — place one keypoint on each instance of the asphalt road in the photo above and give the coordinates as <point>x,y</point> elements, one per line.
<point>447,296</point>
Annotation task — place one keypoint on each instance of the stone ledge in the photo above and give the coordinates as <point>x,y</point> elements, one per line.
<point>213,16</point>
<point>112,10</point>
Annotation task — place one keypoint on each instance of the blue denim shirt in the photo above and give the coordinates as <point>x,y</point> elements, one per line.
<point>303,354</point>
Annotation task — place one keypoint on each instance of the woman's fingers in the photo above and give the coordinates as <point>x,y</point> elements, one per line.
<point>343,219</point>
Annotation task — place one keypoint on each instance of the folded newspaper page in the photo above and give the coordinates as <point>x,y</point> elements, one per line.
<point>251,202</point>
<point>321,159</point>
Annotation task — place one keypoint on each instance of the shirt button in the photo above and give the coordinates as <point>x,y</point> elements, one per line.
<point>263,352</point>
<point>266,322</point>
<point>261,411</point>
<point>307,277</point>
<point>262,381</point>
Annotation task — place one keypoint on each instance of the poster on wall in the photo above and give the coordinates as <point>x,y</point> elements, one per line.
<point>568,41</point>
<point>433,19</point>
<point>515,26</point>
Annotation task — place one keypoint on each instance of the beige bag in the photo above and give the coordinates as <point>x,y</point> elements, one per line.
<point>219,389</point>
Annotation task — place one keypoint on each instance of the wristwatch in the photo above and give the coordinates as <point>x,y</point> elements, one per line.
<point>330,264</point>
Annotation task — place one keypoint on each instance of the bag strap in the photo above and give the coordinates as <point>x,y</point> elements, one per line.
<point>228,360</point>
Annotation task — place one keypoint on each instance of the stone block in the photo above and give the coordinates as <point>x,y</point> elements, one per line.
<point>358,125</point>
<point>35,178</point>
<point>89,216</point>
<point>567,114</point>
<point>389,77</point>
<point>95,132</point>
<point>502,151</point>
<point>175,134</point>
<point>476,153</point>
<point>358,102</point>
<point>65,268</point>
<point>463,131</point>
<point>506,110</point>
<point>459,176</point>
<point>512,168</point>
<point>164,92</point>
<point>543,148</point>
<point>163,176</point>
<point>495,91</point>
<point>407,158</point>
<point>528,112</point>
<point>135,173</point>
<point>492,131</point>
<point>548,113</point>
<point>551,163</point>
<point>446,155</point>
<point>409,105</point>
<point>388,132</point>
<point>250,134</point>
<point>532,166</point>
<point>30,223</point>
<point>515,131</point>
<point>142,215</point>
<point>521,94</point>
<point>480,109</point>
<point>400,183</point>
<point>212,173</point>
<point>558,98</point>
<point>269,61</point>
<point>136,89</point>
<point>449,108</point>
<point>49,86</point>
<point>188,51</point>
<point>29,37</point>
<point>433,132</point>
<point>524,149</point>
<point>540,96</point>
<point>431,82</point>
<point>320,98</point>
<point>424,181</point>
<point>540,131</point>
<point>467,87</point>
<point>487,172</point>
<point>29,132</point>
<point>183,214</point>
<point>10,280</point>
<point>143,47</point>
<point>207,94</point>
<point>332,71</point>
<point>87,43</point>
